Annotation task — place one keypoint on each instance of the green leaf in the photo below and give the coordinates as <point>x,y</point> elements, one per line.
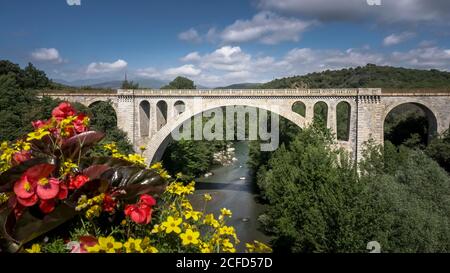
<point>80,143</point>
<point>134,181</point>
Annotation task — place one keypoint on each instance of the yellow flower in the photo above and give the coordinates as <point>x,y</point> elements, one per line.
<point>93,249</point>
<point>35,248</point>
<point>156,166</point>
<point>157,228</point>
<point>38,135</point>
<point>67,167</point>
<point>186,204</point>
<point>226,212</point>
<point>136,159</point>
<point>142,148</point>
<point>21,145</point>
<point>192,214</point>
<point>190,237</point>
<point>210,220</point>
<point>172,225</point>
<point>207,197</point>
<point>228,246</point>
<point>108,244</point>
<point>4,145</point>
<point>3,197</point>
<point>205,248</point>
<point>226,230</point>
<point>133,245</point>
<point>151,249</point>
<point>257,247</point>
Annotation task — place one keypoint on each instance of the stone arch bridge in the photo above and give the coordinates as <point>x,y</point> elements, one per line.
<point>149,116</point>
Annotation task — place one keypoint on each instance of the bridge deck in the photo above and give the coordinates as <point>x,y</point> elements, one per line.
<point>252,92</point>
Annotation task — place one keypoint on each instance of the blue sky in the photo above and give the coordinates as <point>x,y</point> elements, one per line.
<point>221,42</point>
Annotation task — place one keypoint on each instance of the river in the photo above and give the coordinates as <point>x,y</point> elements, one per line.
<point>230,191</point>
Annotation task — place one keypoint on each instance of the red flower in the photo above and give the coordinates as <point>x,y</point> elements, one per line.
<point>147,200</point>
<point>47,189</point>
<point>80,123</point>
<point>34,185</point>
<point>47,206</point>
<point>109,204</point>
<point>78,181</point>
<point>63,111</point>
<point>39,123</point>
<point>141,213</point>
<point>63,191</point>
<point>21,156</point>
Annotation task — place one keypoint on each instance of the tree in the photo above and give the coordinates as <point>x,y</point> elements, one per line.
<point>180,83</point>
<point>129,85</point>
<point>312,193</point>
<point>35,78</point>
<point>318,203</point>
<point>104,119</point>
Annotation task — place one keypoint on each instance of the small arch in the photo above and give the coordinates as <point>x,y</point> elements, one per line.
<point>144,118</point>
<point>321,112</point>
<point>299,108</point>
<point>179,107</point>
<point>343,110</point>
<point>410,121</point>
<point>161,114</point>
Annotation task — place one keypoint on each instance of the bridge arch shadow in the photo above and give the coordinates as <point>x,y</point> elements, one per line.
<point>106,107</point>
<point>410,119</point>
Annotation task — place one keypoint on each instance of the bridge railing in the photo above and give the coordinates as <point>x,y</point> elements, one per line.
<point>248,92</point>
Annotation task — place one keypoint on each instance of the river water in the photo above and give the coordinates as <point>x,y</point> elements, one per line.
<point>230,191</point>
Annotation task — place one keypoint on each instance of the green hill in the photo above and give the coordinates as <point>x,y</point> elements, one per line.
<point>369,76</point>
<point>241,86</point>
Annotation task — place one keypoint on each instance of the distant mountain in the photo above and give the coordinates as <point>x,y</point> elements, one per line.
<point>369,76</point>
<point>241,86</point>
<point>103,83</point>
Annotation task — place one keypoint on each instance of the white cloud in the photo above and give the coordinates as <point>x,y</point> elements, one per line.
<point>101,68</point>
<point>187,70</point>
<point>395,39</point>
<point>190,35</point>
<point>423,58</point>
<point>230,64</point>
<point>265,27</point>
<point>73,2</point>
<point>349,10</point>
<point>191,57</point>
<point>149,72</point>
<point>47,55</point>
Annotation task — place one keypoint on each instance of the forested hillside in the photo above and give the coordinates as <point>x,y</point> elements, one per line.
<point>369,76</point>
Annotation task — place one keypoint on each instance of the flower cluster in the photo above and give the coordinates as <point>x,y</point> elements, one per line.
<point>112,217</point>
<point>14,154</point>
<point>141,213</point>
<point>45,184</point>
<point>37,185</point>
<point>64,123</point>
<point>133,158</point>
<point>132,245</point>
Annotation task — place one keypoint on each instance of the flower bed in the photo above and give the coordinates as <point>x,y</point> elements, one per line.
<point>54,197</point>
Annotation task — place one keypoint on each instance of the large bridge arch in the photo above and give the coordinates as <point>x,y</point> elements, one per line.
<point>158,143</point>
<point>430,112</point>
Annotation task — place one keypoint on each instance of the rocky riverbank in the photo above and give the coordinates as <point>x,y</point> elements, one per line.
<point>225,157</point>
